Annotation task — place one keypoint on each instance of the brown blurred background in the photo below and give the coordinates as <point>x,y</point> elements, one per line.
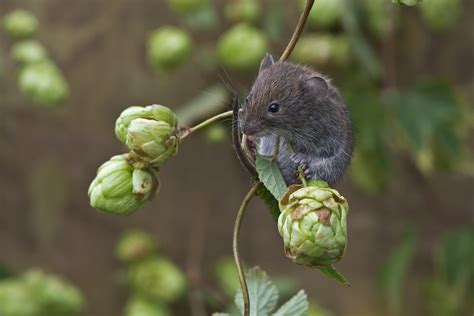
<point>49,156</point>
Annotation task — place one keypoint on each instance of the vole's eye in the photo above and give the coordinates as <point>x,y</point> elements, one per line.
<point>274,107</point>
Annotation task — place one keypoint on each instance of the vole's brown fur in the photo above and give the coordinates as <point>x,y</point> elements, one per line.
<point>311,117</point>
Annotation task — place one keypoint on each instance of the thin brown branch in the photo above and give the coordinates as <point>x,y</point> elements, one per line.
<point>298,30</point>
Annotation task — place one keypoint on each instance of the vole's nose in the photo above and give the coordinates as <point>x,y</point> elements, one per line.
<point>249,129</point>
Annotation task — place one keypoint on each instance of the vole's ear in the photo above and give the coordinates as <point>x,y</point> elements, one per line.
<point>266,62</point>
<point>317,85</point>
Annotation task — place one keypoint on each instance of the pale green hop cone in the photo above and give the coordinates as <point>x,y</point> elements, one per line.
<point>55,295</point>
<point>20,24</point>
<point>139,306</point>
<point>157,279</point>
<point>135,245</point>
<point>29,52</point>
<point>119,188</point>
<point>313,224</point>
<point>150,132</point>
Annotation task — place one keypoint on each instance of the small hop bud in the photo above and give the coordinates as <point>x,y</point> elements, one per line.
<point>55,295</point>
<point>313,224</point>
<point>135,245</point>
<point>139,306</point>
<point>151,132</point>
<point>43,83</point>
<point>157,279</point>
<point>121,189</point>
<point>29,52</point>
<point>20,24</point>
<point>156,141</point>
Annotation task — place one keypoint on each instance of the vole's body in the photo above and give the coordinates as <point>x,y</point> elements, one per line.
<point>311,119</point>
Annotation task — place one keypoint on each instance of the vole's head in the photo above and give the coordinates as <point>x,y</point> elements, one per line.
<point>283,100</point>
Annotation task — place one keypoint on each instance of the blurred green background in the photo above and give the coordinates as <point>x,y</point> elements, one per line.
<point>67,70</point>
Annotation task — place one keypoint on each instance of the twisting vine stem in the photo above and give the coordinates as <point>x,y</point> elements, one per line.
<point>297,33</point>
<point>235,247</point>
<point>205,123</point>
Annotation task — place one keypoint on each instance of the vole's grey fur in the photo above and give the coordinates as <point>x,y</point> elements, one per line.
<point>311,116</point>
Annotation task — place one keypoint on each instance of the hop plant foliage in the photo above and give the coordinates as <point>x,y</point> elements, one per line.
<point>441,15</point>
<point>313,224</point>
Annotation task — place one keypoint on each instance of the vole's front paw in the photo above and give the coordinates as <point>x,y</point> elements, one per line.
<point>301,161</point>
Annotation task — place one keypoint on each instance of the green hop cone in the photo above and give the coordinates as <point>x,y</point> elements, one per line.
<point>54,295</point>
<point>43,83</point>
<point>139,306</point>
<point>156,141</point>
<point>325,13</point>
<point>20,24</point>
<point>16,298</point>
<point>313,224</point>
<point>150,132</point>
<point>321,50</point>
<point>135,245</point>
<point>186,6</point>
<point>242,47</point>
<point>441,15</point>
<point>29,52</point>
<point>243,11</point>
<point>157,279</point>
<point>168,47</point>
<point>119,188</point>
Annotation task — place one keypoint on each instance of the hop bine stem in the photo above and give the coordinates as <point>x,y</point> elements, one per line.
<point>297,32</point>
<point>205,123</point>
<point>235,247</point>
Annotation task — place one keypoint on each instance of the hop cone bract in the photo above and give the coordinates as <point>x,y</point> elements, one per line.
<point>313,224</point>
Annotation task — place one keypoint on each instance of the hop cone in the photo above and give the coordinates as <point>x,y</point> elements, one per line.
<point>150,132</point>
<point>55,295</point>
<point>157,279</point>
<point>139,306</point>
<point>20,24</point>
<point>17,299</point>
<point>135,245</point>
<point>313,224</point>
<point>43,83</point>
<point>119,188</point>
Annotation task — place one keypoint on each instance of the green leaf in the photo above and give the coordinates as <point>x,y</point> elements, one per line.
<point>270,175</point>
<point>263,293</point>
<point>371,165</point>
<point>209,102</point>
<point>274,20</point>
<point>297,306</point>
<point>359,43</point>
<point>394,270</point>
<point>333,274</point>
<point>434,123</point>
<point>456,257</point>
<point>270,202</point>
